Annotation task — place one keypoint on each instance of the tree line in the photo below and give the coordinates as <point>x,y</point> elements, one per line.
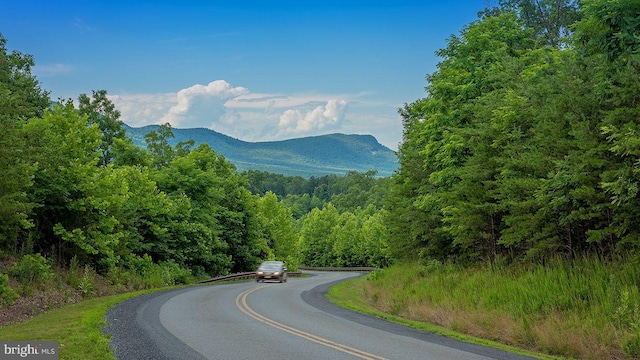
<point>526,143</point>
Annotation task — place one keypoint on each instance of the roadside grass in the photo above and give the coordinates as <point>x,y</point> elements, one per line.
<point>77,328</point>
<point>587,309</point>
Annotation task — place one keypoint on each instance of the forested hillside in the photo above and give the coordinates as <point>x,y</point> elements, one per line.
<point>526,144</point>
<point>310,156</point>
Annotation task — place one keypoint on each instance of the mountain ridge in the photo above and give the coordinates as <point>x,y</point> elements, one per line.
<point>306,156</point>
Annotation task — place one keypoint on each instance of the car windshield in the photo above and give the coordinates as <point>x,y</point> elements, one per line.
<point>270,265</point>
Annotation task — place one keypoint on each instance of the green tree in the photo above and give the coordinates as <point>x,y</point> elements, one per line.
<point>460,141</point>
<point>609,47</point>
<point>357,191</point>
<point>375,240</point>
<point>316,246</point>
<point>609,29</point>
<point>550,20</point>
<point>125,153</point>
<point>415,228</point>
<point>278,224</point>
<point>101,111</point>
<point>65,150</point>
<point>159,147</point>
<point>347,241</point>
<point>21,98</point>
<point>220,203</point>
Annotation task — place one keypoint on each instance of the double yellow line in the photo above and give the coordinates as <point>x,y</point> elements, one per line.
<point>241,303</point>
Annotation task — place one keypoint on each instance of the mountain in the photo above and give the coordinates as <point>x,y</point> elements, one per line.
<point>309,156</point>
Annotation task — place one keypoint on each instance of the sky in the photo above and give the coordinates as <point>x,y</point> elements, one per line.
<point>254,70</point>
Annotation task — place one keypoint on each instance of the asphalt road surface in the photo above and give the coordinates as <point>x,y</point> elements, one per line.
<point>250,320</point>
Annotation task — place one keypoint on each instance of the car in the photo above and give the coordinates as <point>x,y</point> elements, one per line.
<point>271,270</point>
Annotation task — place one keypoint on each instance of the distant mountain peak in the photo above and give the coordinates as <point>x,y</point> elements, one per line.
<point>317,155</point>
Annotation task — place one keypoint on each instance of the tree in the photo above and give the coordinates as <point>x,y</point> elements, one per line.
<point>609,29</point>
<point>551,20</point>
<point>609,48</point>
<point>21,98</point>
<point>101,111</point>
<point>316,246</point>
<point>279,230</point>
<point>458,140</point>
<point>65,150</point>
<point>158,145</point>
<point>375,240</point>
<point>347,242</point>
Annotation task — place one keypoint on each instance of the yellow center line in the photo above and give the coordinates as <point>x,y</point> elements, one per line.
<point>241,303</point>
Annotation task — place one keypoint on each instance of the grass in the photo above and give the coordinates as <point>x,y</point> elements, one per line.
<point>586,309</point>
<point>350,295</point>
<point>77,328</point>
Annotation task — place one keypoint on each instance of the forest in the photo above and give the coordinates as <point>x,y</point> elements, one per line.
<point>525,147</point>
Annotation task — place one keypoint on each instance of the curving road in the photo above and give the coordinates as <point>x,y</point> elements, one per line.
<point>249,320</point>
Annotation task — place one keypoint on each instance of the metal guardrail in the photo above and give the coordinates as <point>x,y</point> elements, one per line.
<point>252,274</point>
<point>237,276</point>
<point>360,268</point>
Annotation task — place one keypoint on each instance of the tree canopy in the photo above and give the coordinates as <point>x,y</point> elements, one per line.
<point>522,147</point>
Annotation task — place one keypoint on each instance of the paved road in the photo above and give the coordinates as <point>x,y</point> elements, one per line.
<point>249,320</point>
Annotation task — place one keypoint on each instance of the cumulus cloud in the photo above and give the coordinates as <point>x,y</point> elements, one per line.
<point>326,116</point>
<point>201,102</point>
<point>143,109</point>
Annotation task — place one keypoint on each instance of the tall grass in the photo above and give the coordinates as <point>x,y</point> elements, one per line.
<point>588,308</point>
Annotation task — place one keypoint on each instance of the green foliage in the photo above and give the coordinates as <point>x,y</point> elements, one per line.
<point>174,274</point>
<point>21,98</point>
<point>330,238</point>
<point>101,112</point>
<point>87,284</point>
<point>279,230</point>
<point>7,295</point>
<point>610,28</point>
<point>347,193</point>
<point>550,20</point>
<point>316,244</point>
<point>524,147</point>
<point>32,270</point>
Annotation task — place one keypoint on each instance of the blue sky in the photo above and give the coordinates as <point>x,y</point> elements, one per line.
<point>254,70</point>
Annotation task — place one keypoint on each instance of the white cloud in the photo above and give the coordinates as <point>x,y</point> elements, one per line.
<point>326,116</point>
<point>237,112</point>
<point>201,102</point>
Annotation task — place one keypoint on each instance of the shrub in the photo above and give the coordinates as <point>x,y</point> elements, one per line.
<point>31,269</point>
<point>87,284</point>
<point>7,295</point>
<point>173,274</point>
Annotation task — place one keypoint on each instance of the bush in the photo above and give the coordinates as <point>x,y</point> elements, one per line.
<point>173,274</point>
<point>31,269</point>
<point>7,296</point>
<point>87,284</point>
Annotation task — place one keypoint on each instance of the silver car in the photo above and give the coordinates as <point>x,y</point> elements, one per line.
<point>272,270</point>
